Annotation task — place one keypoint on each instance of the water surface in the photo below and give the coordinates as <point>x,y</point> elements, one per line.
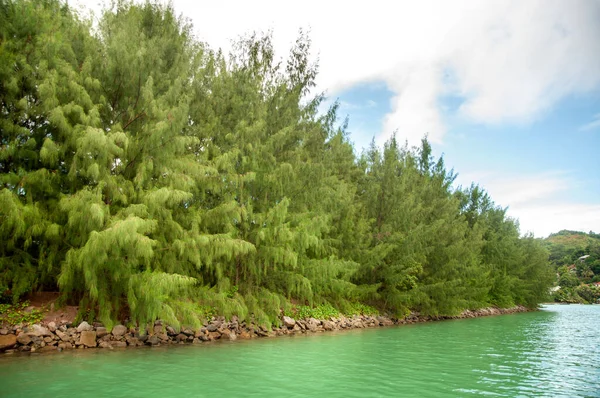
<point>551,353</point>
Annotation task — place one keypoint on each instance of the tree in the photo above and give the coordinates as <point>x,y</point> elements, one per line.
<point>148,176</point>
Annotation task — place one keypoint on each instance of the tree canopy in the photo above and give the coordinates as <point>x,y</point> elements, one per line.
<point>143,172</point>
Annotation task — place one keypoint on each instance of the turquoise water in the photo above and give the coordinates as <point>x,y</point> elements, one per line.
<point>551,353</point>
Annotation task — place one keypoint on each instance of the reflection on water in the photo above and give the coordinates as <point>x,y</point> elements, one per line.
<point>551,353</point>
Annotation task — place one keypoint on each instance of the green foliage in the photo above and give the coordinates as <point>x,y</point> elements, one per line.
<point>582,294</point>
<point>576,258</point>
<point>149,176</point>
<point>324,311</point>
<point>568,280</point>
<point>15,314</point>
<point>360,309</point>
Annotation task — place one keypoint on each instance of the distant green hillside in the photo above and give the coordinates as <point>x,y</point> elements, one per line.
<point>567,246</point>
<point>576,258</point>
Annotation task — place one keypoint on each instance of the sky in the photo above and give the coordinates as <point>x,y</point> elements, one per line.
<point>507,91</point>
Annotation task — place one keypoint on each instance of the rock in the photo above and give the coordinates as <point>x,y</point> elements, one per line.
<point>105,344</point>
<point>261,333</point>
<point>312,324</point>
<point>288,322</point>
<point>229,336</point>
<point>101,331</point>
<point>88,338</point>
<point>153,340</point>
<point>106,337</point>
<point>65,346</point>
<point>133,341</point>
<point>63,336</point>
<point>328,325</point>
<point>119,344</point>
<point>7,341</point>
<point>119,330</point>
<point>180,337</point>
<point>39,330</point>
<point>214,336</point>
<point>171,331</point>
<point>162,336</point>
<point>158,329</point>
<point>356,323</point>
<point>3,332</point>
<point>383,321</point>
<point>188,332</point>
<point>244,335</point>
<point>84,327</point>
<point>196,341</point>
<point>48,339</point>
<point>212,328</point>
<point>52,326</point>
<point>24,338</point>
<point>199,333</point>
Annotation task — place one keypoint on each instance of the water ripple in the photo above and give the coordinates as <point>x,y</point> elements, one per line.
<point>550,353</point>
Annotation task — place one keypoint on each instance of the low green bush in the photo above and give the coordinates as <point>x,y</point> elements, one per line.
<point>14,314</point>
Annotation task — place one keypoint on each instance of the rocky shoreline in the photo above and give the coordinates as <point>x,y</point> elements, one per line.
<point>65,336</point>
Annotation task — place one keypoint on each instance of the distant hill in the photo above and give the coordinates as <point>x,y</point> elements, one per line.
<point>576,258</point>
<point>566,246</point>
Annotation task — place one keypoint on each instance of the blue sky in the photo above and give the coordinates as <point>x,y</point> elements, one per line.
<point>554,158</point>
<point>507,90</point>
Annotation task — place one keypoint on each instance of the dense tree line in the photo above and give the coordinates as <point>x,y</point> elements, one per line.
<point>143,172</point>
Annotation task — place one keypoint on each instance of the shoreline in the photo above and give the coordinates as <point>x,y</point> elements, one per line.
<point>50,337</point>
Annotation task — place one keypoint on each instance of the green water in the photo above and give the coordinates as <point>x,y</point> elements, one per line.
<point>553,353</point>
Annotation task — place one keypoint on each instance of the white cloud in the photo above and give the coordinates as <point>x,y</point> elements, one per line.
<point>537,200</point>
<point>510,60</point>
<point>512,190</point>
<point>594,124</point>
<point>543,220</point>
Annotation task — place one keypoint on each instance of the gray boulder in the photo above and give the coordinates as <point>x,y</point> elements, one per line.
<point>39,330</point>
<point>24,338</point>
<point>63,336</point>
<point>101,331</point>
<point>153,340</point>
<point>288,322</point>
<point>119,330</point>
<point>84,327</point>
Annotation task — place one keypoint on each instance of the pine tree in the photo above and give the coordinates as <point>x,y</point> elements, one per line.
<point>149,176</point>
